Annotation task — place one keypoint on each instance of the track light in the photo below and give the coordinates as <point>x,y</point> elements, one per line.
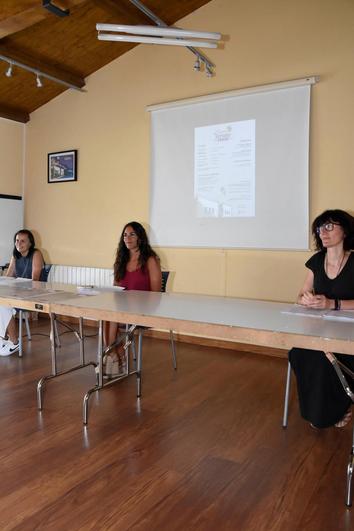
<point>208,71</point>
<point>197,65</point>
<point>39,82</point>
<point>14,63</point>
<point>8,72</point>
<point>157,35</point>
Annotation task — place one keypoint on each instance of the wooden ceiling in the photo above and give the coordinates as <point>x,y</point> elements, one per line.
<point>65,48</point>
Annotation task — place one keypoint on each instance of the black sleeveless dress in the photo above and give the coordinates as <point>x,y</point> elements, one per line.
<point>323,401</point>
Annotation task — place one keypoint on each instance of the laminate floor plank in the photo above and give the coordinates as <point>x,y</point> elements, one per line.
<point>203,449</point>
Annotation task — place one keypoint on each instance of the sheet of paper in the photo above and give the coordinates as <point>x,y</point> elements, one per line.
<point>297,309</point>
<point>341,315</point>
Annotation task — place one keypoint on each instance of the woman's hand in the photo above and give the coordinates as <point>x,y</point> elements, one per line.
<point>319,302</point>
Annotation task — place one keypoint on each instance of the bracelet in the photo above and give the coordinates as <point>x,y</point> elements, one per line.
<point>337,304</point>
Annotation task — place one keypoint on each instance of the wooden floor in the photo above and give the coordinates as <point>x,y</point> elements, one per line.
<point>202,450</point>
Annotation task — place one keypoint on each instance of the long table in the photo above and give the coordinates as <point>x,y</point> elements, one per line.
<point>240,320</point>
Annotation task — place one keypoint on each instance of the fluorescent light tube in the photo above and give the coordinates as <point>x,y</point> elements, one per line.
<point>158,31</point>
<point>155,40</point>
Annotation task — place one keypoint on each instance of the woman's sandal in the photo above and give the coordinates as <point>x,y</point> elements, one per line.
<point>345,420</point>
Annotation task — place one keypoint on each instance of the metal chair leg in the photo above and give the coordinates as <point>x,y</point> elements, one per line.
<point>20,332</point>
<point>56,334</point>
<point>139,362</point>
<point>28,330</point>
<point>287,394</point>
<point>173,349</point>
<point>350,468</point>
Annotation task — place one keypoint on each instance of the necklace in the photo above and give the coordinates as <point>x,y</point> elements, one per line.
<point>339,267</point>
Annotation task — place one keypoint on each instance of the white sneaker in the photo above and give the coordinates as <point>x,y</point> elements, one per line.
<point>8,347</point>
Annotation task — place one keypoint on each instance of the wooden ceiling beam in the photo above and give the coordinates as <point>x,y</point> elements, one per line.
<point>30,16</point>
<point>44,68</point>
<point>20,21</point>
<point>14,114</point>
<point>125,12</point>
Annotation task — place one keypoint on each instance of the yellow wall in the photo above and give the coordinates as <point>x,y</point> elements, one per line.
<point>267,41</point>
<point>11,149</point>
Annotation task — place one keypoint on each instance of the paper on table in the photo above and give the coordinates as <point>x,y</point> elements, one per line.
<point>298,309</point>
<point>87,290</point>
<point>341,315</point>
<point>93,290</point>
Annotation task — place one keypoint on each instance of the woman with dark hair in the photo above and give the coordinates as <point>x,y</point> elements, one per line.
<point>26,262</point>
<point>329,284</point>
<point>136,267</point>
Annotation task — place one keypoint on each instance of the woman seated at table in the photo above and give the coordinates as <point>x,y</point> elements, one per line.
<point>329,285</point>
<point>26,262</point>
<point>136,267</point>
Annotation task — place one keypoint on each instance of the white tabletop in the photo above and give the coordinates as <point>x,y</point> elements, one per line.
<point>243,320</point>
<point>250,321</point>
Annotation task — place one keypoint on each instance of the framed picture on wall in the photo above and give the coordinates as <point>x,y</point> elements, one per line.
<point>62,166</point>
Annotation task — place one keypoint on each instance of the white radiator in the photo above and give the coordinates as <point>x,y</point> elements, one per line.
<point>81,276</point>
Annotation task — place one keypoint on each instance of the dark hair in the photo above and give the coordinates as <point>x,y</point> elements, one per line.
<point>345,220</point>
<point>15,252</point>
<point>122,254</point>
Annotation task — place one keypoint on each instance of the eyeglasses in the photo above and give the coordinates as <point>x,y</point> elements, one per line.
<point>328,227</point>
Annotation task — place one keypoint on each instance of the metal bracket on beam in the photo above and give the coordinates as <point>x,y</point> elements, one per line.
<point>55,9</point>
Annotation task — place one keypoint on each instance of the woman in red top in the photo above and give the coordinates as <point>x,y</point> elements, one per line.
<point>136,267</point>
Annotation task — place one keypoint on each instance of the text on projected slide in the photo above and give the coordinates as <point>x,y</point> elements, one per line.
<point>224,169</point>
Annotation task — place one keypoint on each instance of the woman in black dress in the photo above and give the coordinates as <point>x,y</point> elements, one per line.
<point>329,284</point>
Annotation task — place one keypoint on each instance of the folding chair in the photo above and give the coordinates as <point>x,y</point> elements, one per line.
<point>338,367</point>
<point>140,329</point>
<point>23,315</point>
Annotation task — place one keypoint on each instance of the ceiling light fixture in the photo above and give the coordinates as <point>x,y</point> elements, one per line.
<point>35,71</point>
<point>8,72</point>
<point>154,40</point>
<point>162,34</point>
<point>39,82</point>
<point>153,31</point>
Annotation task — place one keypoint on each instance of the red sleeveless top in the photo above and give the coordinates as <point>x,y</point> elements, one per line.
<point>138,279</point>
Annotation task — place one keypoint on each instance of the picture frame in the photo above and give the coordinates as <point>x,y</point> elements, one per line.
<point>62,166</point>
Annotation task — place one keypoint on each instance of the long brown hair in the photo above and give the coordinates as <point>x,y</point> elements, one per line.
<point>122,253</point>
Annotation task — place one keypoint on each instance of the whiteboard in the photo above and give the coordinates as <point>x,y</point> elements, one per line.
<point>11,220</point>
<point>252,194</point>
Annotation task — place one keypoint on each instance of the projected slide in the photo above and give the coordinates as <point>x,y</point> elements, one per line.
<point>224,170</point>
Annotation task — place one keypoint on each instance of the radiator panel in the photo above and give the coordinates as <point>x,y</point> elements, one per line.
<point>81,276</point>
